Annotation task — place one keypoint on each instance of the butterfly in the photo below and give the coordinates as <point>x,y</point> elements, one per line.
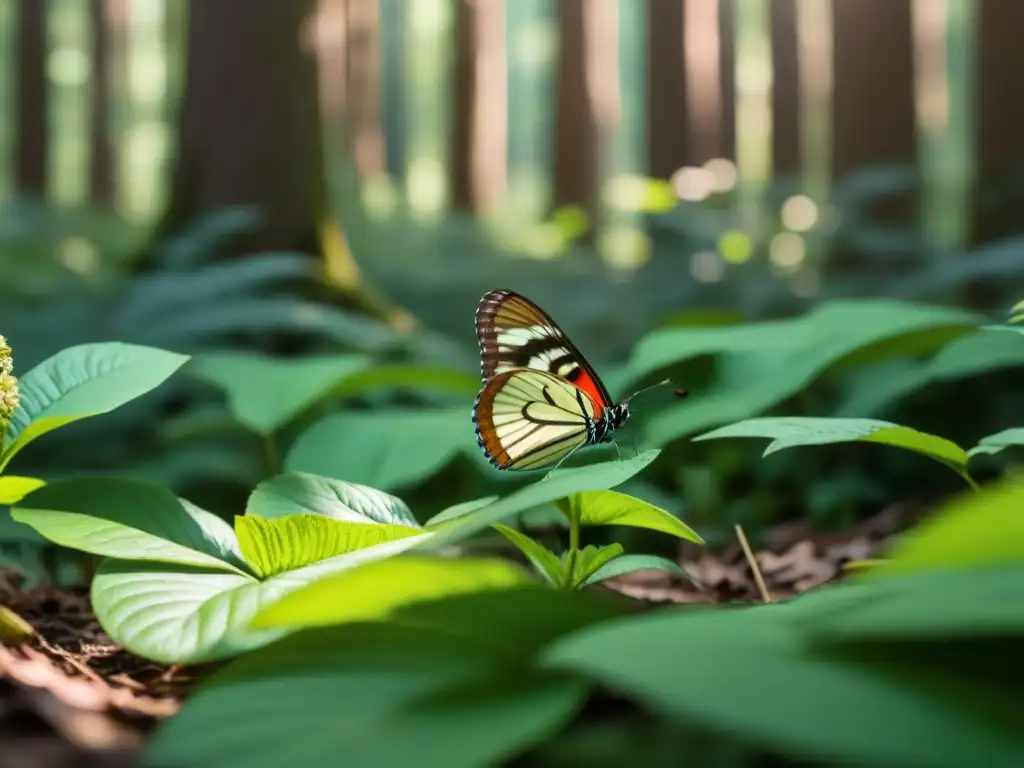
<point>541,400</point>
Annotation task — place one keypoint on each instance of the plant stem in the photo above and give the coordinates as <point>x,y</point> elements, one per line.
<point>273,455</point>
<point>749,553</point>
<point>970,481</point>
<point>574,545</point>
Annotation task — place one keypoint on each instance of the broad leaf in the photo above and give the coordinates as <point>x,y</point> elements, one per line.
<point>181,615</point>
<point>795,431</point>
<point>545,561</point>
<point>624,564</point>
<point>84,381</point>
<point>933,605</point>
<point>416,378</point>
<point>287,543</point>
<point>980,530</point>
<point>1000,440</point>
<point>375,590</point>
<point>370,693</point>
<point>555,485</point>
<point>460,510</point>
<point>383,449</point>
<point>674,662</point>
<point>591,559</point>
<point>297,492</point>
<point>13,488</point>
<point>131,520</point>
<point>266,393</point>
<point>613,508</point>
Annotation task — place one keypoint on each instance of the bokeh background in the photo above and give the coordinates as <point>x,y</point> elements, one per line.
<point>352,175</point>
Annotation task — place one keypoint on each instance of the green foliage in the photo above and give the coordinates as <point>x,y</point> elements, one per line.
<point>543,560</point>
<point>13,488</point>
<point>266,393</point>
<point>80,382</point>
<point>297,492</point>
<point>287,543</point>
<point>791,432</point>
<point>993,444</point>
<point>624,564</point>
<point>613,508</point>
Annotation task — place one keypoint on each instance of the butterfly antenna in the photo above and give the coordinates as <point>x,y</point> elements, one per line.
<point>647,389</point>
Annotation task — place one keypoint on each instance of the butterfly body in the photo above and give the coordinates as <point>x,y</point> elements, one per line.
<point>541,401</point>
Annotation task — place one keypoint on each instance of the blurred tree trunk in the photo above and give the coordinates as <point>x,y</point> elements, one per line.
<point>786,140</point>
<point>708,49</point>
<point>999,137</point>
<point>366,134</point>
<point>105,18</point>
<point>32,102</point>
<point>873,100</point>
<point>332,56</point>
<point>587,100</point>
<point>480,136</point>
<point>666,88</point>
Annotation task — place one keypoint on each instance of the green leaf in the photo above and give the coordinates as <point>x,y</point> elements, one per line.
<point>417,378</point>
<point>612,508</point>
<point>370,693</point>
<point>266,393</point>
<point>460,510</point>
<point>1000,440</point>
<point>545,561</point>
<point>933,605</point>
<point>13,488</point>
<point>555,485</point>
<point>629,563</point>
<point>384,449</point>
<point>823,708</point>
<point>84,381</point>
<point>131,520</point>
<point>297,492</point>
<point>795,431</point>
<point>183,615</point>
<point>375,590</point>
<point>591,559</point>
<point>979,530</point>
<point>761,364</point>
<point>286,543</point>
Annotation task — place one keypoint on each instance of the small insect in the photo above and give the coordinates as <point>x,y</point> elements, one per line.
<point>541,400</point>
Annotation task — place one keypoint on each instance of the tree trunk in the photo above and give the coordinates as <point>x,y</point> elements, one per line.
<point>480,134</point>
<point>363,88</point>
<point>105,16</point>
<point>709,92</point>
<point>786,139</point>
<point>31,133</point>
<point>873,100</point>
<point>666,88</point>
<point>249,132</point>
<point>588,100</point>
<point>331,35</point>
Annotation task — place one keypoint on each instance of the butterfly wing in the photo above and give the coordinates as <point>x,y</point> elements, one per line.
<point>515,333</point>
<point>527,418</point>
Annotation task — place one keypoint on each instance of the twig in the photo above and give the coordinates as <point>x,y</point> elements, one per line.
<point>753,564</point>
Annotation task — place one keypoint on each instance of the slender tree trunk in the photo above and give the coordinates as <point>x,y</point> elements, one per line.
<point>363,88</point>
<point>709,92</point>
<point>103,16</point>
<point>588,100</point>
<point>786,138</point>
<point>331,35</point>
<point>31,133</point>
<point>249,132</point>
<point>480,135</point>
<point>666,87</point>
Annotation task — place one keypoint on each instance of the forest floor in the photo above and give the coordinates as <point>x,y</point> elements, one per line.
<point>71,697</point>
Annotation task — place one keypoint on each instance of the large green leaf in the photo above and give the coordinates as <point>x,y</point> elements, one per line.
<point>613,508</point>
<point>374,590</point>
<point>933,605</point>
<point>14,488</point>
<point>713,667</point>
<point>460,510</point>
<point>84,381</point>
<point>365,695</point>
<point>178,614</point>
<point>297,492</point>
<point>761,364</point>
<point>131,520</point>
<point>980,530</point>
<point>992,444</point>
<point>555,485</point>
<point>286,543</point>
<point>384,449</point>
<point>543,559</point>
<point>266,393</point>
<point>412,377</point>
<point>795,431</point>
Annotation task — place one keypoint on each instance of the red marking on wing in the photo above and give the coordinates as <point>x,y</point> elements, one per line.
<point>588,385</point>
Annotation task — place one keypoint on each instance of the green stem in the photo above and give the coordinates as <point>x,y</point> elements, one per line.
<point>574,546</point>
<point>970,481</point>
<point>273,455</point>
